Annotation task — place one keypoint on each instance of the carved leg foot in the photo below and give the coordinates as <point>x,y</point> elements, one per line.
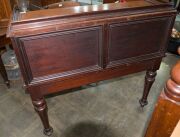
<point>143,102</point>
<point>149,79</point>
<point>41,108</point>
<point>48,132</point>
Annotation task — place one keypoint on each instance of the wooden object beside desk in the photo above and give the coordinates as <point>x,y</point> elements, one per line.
<point>5,11</point>
<point>167,109</point>
<point>63,48</point>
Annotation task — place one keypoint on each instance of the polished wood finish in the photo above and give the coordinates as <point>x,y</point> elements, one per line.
<point>167,110</point>
<point>149,80</point>
<point>64,4</point>
<point>40,107</point>
<point>63,48</point>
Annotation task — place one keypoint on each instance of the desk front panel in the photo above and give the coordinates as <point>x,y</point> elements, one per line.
<point>63,53</point>
<point>93,46</point>
<point>138,39</point>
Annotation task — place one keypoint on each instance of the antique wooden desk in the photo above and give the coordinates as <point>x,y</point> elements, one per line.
<point>63,48</point>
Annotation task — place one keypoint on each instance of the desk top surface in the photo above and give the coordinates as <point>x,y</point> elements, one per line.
<point>88,9</point>
<point>48,20</point>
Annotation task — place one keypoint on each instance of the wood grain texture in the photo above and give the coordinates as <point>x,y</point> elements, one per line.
<point>5,9</point>
<point>72,51</point>
<point>136,36</point>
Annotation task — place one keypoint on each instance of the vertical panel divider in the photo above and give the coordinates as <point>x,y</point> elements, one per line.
<point>105,45</point>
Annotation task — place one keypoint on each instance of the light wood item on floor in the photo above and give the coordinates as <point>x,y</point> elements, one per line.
<point>167,110</point>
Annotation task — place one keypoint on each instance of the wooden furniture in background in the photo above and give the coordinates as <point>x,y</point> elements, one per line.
<point>63,48</point>
<point>167,110</point>
<point>5,11</point>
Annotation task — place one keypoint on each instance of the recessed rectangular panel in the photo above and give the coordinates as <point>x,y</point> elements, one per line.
<point>133,39</point>
<point>63,52</point>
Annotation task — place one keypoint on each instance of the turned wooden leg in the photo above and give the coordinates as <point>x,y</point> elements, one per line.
<point>3,73</point>
<point>149,79</point>
<point>41,108</point>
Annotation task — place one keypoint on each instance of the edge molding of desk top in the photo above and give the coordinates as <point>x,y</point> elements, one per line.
<point>126,10</point>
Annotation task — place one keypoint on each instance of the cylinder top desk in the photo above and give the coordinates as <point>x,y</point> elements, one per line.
<point>63,48</point>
